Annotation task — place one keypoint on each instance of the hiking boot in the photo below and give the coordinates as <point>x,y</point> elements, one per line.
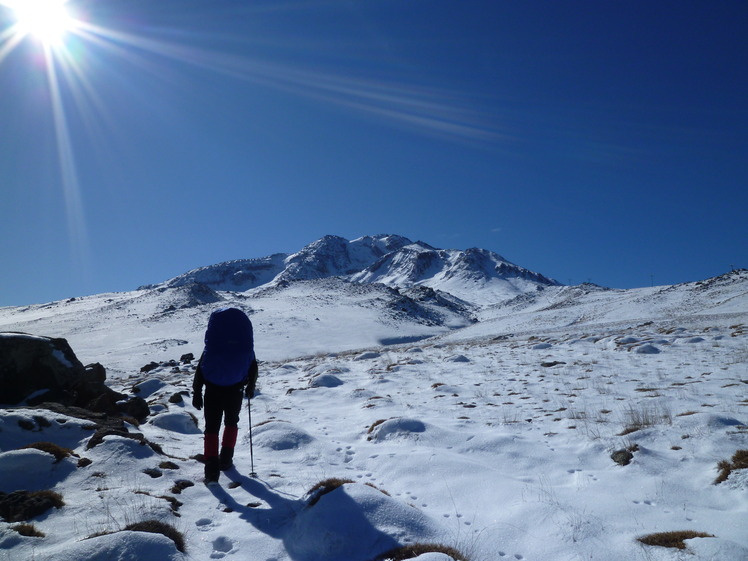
<point>211,469</point>
<point>227,458</point>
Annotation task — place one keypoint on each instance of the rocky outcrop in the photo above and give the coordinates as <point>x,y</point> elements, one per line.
<point>29,364</point>
<point>42,369</point>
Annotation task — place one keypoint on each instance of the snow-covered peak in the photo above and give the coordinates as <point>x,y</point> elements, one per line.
<point>476,275</point>
<point>238,275</point>
<point>334,256</point>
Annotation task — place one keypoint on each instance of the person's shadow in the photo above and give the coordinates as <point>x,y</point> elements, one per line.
<point>332,531</point>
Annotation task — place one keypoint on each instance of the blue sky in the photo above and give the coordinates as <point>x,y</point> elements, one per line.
<point>602,141</point>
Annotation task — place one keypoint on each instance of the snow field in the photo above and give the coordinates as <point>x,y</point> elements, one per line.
<point>497,447</point>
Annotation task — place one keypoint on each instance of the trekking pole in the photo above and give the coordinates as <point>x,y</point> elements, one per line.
<point>251,451</point>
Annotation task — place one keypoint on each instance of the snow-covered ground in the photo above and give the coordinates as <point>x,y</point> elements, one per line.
<point>493,437</point>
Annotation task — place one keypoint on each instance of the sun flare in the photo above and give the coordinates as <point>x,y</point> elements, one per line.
<point>46,20</point>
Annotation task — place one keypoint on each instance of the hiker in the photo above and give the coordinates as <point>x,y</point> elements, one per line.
<point>228,370</point>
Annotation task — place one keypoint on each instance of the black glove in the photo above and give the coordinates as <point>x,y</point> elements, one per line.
<point>249,391</point>
<point>197,400</point>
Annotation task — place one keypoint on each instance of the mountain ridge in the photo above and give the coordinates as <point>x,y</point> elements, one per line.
<point>389,259</point>
<point>412,292</point>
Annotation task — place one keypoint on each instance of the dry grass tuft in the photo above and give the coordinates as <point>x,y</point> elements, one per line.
<point>28,530</point>
<point>411,551</point>
<point>739,461</point>
<point>378,489</point>
<point>645,416</point>
<point>57,451</point>
<point>158,527</point>
<point>374,425</point>
<point>672,539</point>
<point>326,486</point>
<point>24,505</point>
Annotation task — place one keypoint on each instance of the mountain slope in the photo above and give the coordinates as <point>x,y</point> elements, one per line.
<point>493,434</point>
<point>475,275</point>
<point>501,447</point>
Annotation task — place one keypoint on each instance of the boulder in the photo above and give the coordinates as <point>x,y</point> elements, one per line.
<point>29,363</point>
<point>45,370</point>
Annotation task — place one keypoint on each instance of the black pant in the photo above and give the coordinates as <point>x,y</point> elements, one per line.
<point>222,402</point>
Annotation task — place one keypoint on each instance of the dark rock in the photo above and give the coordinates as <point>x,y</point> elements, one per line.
<point>117,428</point>
<point>104,425</point>
<point>49,368</point>
<point>96,372</point>
<point>187,358</point>
<point>72,411</point>
<point>135,407</point>
<point>551,364</point>
<point>43,422</point>
<point>29,364</point>
<point>150,366</point>
<point>55,395</point>
<point>25,424</point>
<point>622,457</point>
<point>153,472</point>
<point>176,398</point>
<point>105,402</point>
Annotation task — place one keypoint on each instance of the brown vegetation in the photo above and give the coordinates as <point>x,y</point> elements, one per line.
<point>158,527</point>
<point>672,539</point>
<point>739,461</point>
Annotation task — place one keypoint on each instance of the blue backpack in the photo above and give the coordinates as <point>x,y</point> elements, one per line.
<point>229,347</point>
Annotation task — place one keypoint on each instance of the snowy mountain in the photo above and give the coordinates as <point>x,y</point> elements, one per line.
<point>335,295</point>
<point>474,275</point>
<point>408,396</point>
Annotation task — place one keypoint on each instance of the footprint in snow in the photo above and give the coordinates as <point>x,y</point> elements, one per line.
<point>221,546</point>
<point>349,454</point>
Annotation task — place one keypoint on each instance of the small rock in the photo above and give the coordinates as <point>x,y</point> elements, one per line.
<point>150,366</point>
<point>622,457</point>
<point>135,407</point>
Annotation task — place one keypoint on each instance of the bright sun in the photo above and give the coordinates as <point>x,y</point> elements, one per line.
<point>47,20</point>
